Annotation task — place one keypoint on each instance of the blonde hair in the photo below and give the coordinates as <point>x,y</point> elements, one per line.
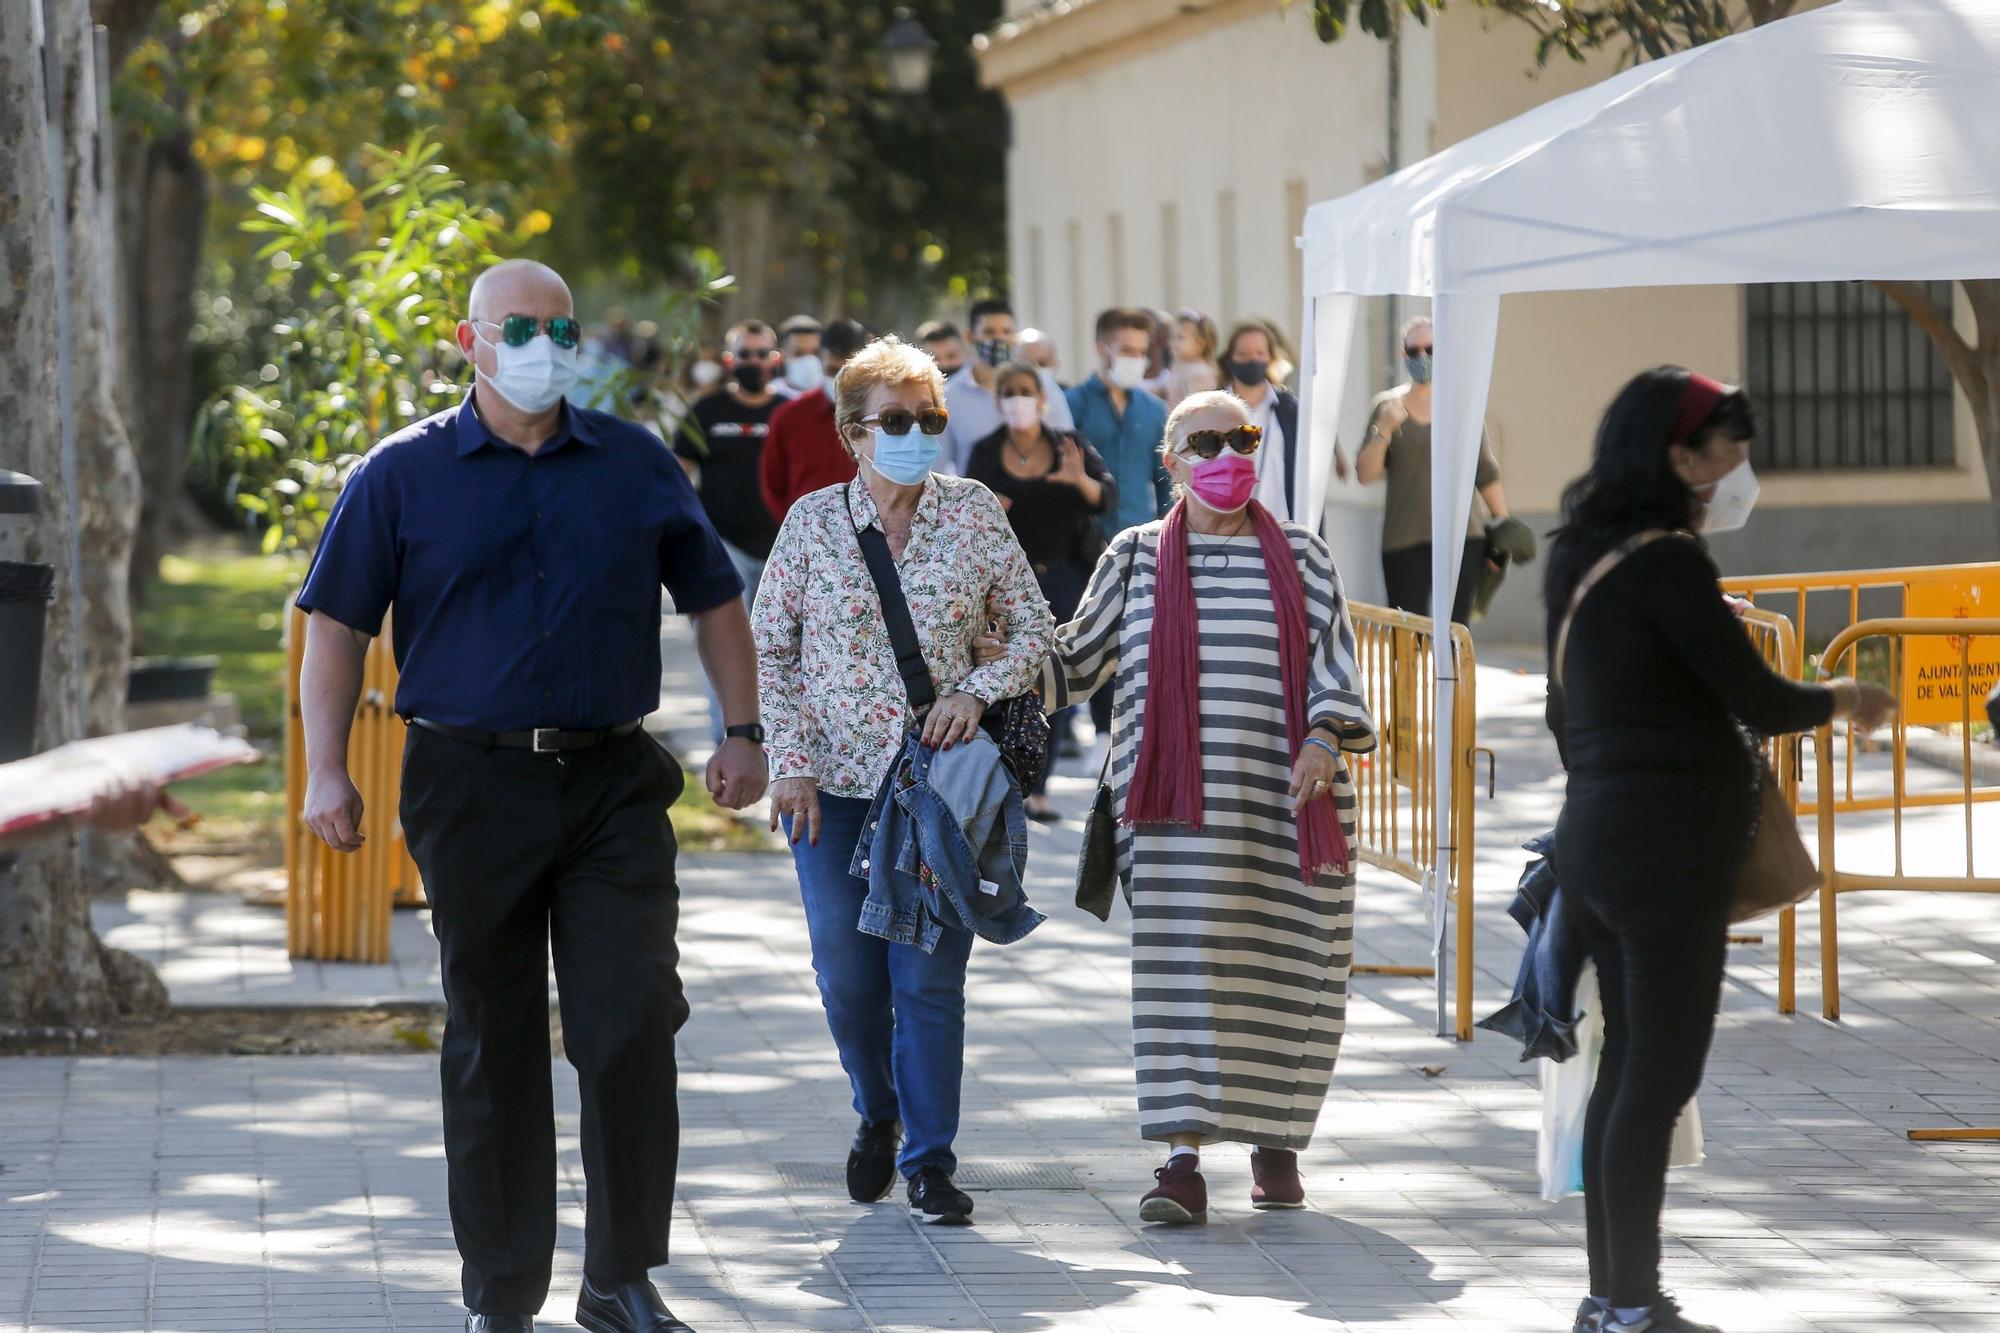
<point>885,363</point>
<point>1196,402</point>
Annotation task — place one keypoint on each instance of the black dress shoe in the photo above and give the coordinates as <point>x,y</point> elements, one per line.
<point>871,1163</point>
<point>634,1307</point>
<point>499,1323</point>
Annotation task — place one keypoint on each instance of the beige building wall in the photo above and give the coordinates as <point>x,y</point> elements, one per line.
<point>1173,165</point>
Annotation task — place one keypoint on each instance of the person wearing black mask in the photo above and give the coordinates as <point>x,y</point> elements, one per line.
<point>970,396</point>
<point>941,338</point>
<point>721,444</point>
<point>1254,366</point>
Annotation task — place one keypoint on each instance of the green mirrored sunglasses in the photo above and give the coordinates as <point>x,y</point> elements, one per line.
<point>516,330</point>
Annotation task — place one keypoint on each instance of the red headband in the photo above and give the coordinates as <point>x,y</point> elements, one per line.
<point>1698,401</point>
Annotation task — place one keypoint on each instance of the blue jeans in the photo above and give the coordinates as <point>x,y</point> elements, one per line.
<point>897,1013</point>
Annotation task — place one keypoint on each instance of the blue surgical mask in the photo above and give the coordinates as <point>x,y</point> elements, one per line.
<point>906,459</point>
<point>1419,367</point>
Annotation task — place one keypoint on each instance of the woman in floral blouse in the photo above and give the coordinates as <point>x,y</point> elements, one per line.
<point>836,712</point>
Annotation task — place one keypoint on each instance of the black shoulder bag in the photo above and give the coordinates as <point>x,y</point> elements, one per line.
<point>1017,725</point>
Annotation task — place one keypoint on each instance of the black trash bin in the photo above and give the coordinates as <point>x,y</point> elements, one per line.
<point>26,589</point>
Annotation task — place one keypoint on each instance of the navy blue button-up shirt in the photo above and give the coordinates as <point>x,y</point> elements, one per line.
<point>526,587</point>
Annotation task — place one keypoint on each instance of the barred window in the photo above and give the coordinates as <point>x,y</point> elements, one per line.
<point>1842,378</point>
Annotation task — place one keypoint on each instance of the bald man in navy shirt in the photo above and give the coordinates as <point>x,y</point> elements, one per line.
<point>523,543</point>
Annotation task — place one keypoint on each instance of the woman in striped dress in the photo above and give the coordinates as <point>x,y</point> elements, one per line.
<point>1238,697</point>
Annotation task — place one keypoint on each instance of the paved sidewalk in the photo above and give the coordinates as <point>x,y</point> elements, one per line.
<point>209,1195</point>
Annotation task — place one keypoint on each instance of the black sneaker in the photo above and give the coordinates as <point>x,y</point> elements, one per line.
<point>934,1199</point>
<point>1665,1317</point>
<point>1589,1316</point>
<point>871,1162</point>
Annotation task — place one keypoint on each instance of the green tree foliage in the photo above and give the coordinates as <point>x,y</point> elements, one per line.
<point>366,341</point>
<point>609,136</point>
<point>364,333</point>
<point>1642,29</point>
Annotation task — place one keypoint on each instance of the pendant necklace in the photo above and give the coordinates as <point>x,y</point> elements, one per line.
<point>1215,559</point>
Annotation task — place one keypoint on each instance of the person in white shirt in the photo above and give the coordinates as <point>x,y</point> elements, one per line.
<point>968,396</point>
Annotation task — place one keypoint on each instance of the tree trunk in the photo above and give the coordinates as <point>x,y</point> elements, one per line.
<point>53,969</point>
<point>161,198</point>
<point>107,473</point>
<point>1974,365</point>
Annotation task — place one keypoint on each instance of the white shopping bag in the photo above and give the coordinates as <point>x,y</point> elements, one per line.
<point>1566,1097</point>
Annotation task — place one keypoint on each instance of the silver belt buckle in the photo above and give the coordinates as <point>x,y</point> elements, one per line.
<point>546,733</point>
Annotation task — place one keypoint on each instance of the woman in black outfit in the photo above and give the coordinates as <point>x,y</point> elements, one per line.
<point>1055,489</point>
<point>1658,682</point>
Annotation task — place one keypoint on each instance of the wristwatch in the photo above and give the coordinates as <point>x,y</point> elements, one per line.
<point>749,731</point>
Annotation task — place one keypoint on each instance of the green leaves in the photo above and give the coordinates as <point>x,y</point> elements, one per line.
<point>1645,29</point>
<point>360,341</point>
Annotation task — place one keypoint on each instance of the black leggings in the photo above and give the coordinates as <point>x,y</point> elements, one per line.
<point>1652,903</point>
<point>1407,573</point>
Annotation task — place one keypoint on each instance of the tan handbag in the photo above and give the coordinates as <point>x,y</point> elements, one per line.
<point>1777,872</point>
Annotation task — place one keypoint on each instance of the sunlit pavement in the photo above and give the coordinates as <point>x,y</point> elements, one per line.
<point>204,1195</point>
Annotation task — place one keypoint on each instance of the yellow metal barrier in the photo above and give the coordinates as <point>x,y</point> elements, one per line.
<point>338,906</point>
<point>1914,592</point>
<point>1958,636</point>
<point>1397,784</point>
<point>1778,641</point>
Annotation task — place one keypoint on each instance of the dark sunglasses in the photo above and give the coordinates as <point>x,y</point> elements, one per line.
<point>517,330</point>
<point>1418,351</point>
<point>756,354</point>
<point>1207,444</point>
<point>896,421</point>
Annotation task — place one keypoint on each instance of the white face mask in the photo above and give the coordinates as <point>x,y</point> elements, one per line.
<point>804,373</point>
<point>1020,413</point>
<point>1735,496</point>
<point>1128,372</point>
<point>535,375</point>
<point>705,373</point>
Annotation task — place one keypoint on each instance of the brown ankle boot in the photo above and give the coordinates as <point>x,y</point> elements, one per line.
<point>1275,1174</point>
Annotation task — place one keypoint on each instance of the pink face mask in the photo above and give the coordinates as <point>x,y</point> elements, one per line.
<point>1224,483</point>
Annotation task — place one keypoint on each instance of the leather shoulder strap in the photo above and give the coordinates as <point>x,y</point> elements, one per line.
<point>1612,559</point>
<point>910,664</point>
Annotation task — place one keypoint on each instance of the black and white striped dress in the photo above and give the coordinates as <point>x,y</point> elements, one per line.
<point>1239,970</point>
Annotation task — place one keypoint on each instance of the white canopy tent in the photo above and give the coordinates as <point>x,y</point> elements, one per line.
<point>1857,141</point>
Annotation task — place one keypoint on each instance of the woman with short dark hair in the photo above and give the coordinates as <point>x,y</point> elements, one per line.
<point>1657,682</point>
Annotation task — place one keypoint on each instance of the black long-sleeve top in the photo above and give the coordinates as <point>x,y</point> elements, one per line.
<point>1052,520</point>
<point>1659,671</point>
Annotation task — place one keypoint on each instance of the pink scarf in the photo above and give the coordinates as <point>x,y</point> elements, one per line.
<point>1166,786</point>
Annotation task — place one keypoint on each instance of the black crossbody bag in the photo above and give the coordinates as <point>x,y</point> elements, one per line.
<point>1017,725</point>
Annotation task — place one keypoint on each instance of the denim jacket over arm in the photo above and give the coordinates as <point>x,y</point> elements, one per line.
<point>943,823</point>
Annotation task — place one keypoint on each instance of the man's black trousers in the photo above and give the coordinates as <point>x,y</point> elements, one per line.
<point>526,855</point>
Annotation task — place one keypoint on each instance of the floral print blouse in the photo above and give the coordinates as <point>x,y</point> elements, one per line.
<point>834,706</point>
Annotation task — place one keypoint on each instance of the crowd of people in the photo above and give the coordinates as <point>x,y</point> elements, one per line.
<point>753,421</point>
<point>899,557</point>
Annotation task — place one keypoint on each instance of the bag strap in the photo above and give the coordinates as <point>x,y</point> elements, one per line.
<point>1612,559</point>
<point>1124,589</point>
<point>910,664</point>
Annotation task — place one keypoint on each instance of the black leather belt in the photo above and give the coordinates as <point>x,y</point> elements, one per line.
<point>542,740</point>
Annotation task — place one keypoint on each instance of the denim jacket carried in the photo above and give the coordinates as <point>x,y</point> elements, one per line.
<point>1542,1015</point>
<point>946,847</point>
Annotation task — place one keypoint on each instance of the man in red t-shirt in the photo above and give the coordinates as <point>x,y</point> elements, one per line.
<point>803,452</point>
